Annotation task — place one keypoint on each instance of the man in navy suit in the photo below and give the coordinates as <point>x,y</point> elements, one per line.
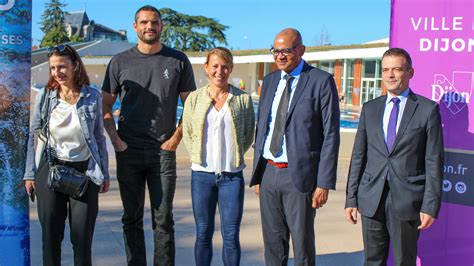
<point>396,168</point>
<point>296,150</point>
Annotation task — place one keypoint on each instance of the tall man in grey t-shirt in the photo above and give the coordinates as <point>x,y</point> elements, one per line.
<point>148,78</point>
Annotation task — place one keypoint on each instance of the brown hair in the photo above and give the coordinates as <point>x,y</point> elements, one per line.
<point>80,74</point>
<point>399,52</point>
<point>222,53</point>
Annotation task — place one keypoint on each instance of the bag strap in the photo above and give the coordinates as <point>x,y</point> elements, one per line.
<point>45,106</point>
<point>45,116</point>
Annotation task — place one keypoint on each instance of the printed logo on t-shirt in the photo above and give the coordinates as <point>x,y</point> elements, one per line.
<point>166,74</point>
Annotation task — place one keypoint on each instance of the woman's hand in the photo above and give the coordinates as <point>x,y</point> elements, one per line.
<point>105,186</point>
<point>30,186</point>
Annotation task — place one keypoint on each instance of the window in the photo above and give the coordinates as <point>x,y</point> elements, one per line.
<point>348,80</point>
<point>371,80</point>
<point>327,66</point>
<point>369,68</point>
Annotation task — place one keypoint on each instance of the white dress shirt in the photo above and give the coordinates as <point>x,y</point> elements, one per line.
<point>388,109</point>
<point>267,154</point>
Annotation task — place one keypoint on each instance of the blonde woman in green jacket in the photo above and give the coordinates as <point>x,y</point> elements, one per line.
<point>218,128</point>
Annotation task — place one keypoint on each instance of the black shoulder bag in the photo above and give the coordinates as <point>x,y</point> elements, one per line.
<point>64,179</point>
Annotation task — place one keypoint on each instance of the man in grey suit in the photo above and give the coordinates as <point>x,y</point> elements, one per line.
<point>396,168</point>
<point>296,148</point>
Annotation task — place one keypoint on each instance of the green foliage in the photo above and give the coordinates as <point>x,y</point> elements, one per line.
<point>191,33</point>
<point>52,24</point>
<point>76,38</point>
<point>54,37</point>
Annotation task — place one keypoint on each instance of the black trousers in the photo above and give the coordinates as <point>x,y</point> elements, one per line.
<point>285,210</point>
<point>55,207</point>
<point>156,168</point>
<point>385,227</point>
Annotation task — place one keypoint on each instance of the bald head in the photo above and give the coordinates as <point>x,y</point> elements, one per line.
<point>290,34</point>
<point>288,49</point>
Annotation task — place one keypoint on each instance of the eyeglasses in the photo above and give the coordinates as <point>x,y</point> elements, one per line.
<point>61,49</point>
<point>284,51</point>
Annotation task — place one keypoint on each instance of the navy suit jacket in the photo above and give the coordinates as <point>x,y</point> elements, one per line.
<point>311,130</point>
<point>415,163</point>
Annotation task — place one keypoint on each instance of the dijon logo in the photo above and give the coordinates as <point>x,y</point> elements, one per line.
<point>8,5</point>
<point>456,93</point>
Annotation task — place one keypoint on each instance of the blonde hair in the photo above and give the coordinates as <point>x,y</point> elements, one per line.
<point>222,53</point>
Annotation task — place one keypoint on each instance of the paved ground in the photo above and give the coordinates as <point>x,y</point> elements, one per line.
<point>338,243</point>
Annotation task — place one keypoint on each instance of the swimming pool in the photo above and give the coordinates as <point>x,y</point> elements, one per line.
<point>349,119</point>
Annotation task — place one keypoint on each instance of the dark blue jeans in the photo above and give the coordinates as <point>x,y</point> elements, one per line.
<point>157,169</point>
<point>227,191</point>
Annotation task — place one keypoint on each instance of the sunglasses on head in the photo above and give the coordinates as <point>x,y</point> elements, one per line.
<point>61,49</point>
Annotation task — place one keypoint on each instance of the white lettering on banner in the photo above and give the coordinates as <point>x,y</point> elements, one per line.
<point>436,24</point>
<point>455,169</point>
<point>455,96</point>
<point>8,5</point>
<point>11,39</point>
<point>445,45</point>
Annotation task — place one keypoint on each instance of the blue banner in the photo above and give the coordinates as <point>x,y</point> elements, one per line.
<point>15,67</point>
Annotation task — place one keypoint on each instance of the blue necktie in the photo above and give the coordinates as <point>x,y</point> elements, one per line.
<point>392,124</point>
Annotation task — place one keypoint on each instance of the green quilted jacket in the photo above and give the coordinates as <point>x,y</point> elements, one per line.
<point>243,117</point>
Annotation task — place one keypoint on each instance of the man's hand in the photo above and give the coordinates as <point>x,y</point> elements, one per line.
<point>105,186</point>
<point>108,101</point>
<point>256,189</point>
<point>426,221</point>
<point>119,145</point>
<point>320,197</point>
<point>351,215</point>
<point>171,144</point>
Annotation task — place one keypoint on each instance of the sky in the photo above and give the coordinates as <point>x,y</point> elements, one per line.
<point>252,23</point>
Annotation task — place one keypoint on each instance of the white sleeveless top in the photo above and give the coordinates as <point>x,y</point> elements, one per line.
<point>66,135</point>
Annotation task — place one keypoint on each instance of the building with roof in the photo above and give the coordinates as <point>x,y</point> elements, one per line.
<point>90,52</point>
<point>356,68</point>
<point>79,24</point>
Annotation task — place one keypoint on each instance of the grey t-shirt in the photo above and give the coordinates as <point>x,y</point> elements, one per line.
<point>149,87</point>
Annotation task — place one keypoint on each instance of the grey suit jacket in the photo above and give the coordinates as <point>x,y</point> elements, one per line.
<point>415,163</point>
<point>311,132</point>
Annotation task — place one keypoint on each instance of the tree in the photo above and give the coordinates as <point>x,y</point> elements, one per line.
<point>191,33</point>
<point>76,38</point>
<point>52,24</point>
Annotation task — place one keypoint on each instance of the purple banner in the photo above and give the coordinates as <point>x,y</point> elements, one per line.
<point>438,34</point>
